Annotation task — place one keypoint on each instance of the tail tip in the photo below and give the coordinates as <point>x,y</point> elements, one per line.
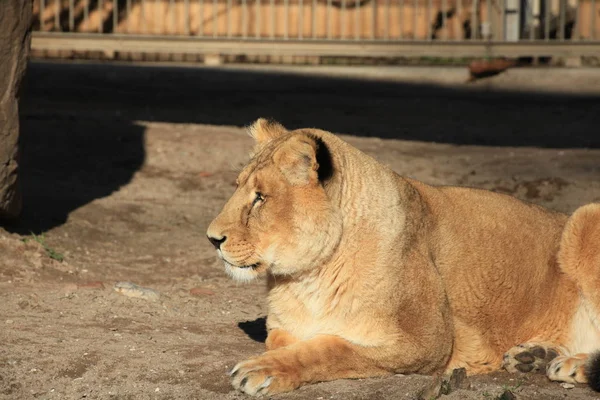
<point>592,371</point>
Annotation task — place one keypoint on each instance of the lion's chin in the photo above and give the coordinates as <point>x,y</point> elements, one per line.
<point>242,274</point>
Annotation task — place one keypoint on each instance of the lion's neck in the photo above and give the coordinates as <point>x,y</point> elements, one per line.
<point>367,193</point>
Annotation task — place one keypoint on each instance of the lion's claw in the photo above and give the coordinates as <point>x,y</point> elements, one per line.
<point>262,376</point>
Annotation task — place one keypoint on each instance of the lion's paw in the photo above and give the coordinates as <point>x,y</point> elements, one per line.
<point>528,357</point>
<point>568,369</point>
<point>263,375</point>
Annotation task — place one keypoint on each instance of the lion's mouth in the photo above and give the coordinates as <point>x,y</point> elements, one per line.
<point>248,266</point>
<point>251,266</point>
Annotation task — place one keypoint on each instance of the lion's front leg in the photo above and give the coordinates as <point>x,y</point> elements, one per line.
<point>322,358</point>
<point>279,338</point>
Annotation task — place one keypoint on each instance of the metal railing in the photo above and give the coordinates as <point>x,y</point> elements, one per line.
<point>392,28</point>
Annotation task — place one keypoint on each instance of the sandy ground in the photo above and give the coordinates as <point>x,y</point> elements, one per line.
<point>124,167</point>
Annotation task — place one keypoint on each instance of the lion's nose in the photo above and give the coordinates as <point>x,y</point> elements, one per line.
<point>216,241</point>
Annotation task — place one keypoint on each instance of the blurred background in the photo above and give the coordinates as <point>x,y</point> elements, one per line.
<point>316,31</point>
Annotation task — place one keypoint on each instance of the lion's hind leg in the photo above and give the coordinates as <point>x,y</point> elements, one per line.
<point>579,254</point>
<point>529,357</point>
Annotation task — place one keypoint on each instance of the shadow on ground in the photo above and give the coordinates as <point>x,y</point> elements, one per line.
<point>68,162</point>
<point>80,141</point>
<point>256,329</point>
<point>397,110</point>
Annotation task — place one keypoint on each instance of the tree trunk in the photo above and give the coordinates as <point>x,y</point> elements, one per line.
<point>15,39</point>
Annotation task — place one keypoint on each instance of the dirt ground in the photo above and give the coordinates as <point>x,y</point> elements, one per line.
<point>124,167</point>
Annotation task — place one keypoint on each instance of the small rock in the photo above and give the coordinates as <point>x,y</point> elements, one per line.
<point>199,291</point>
<point>433,390</point>
<point>507,395</point>
<point>132,290</point>
<point>69,288</point>
<point>9,321</point>
<point>567,385</point>
<point>204,174</point>
<point>458,379</point>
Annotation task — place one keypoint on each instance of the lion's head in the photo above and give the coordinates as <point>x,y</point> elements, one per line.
<point>279,219</point>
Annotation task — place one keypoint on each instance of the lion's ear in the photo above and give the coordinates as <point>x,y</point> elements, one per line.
<point>297,160</point>
<point>264,130</point>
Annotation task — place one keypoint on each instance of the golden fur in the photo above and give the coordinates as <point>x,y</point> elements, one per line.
<point>370,273</point>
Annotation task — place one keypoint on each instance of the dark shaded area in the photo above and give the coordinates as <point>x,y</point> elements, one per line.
<point>68,162</point>
<point>469,115</point>
<point>256,330</point>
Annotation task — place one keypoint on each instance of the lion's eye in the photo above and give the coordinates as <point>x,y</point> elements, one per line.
<point>259,197</point>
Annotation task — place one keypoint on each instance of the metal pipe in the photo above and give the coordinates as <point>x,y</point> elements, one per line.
<point>562,22</point>
<point>593,26</point>
<point>157,16</point>
<point>531,19</point>
<point>547,20</point>
<point>57,15</point>
<point>244,19</point>
<point>386,32</point>
<point>415,20</point>
<point>42,9</point>
<point>183,44</point>
<point>343,17</point>
<point>575,34</point>
<point>428,19</point>
<point>300,18</point>
<point>401,18</point>
<point>186,12</point>
<point>214,11</point>
<point>457,20</point>
<point>100,15</point>
<point>474,20</point>
<point>143,16</point>
<point>229,3</point>
<point>71,16</point>
<point>258,31</point>
<point>490,29</point>
<point>115,16</point>
<point>357,19</point>
<point>286,20</point>
<point>444,19</point>
<point>313,27</point>
<point>374,19</point>
<point>200,17</point>
<point>128,6</point>
<point>272,19</point>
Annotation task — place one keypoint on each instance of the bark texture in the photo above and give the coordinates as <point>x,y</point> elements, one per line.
<point>15,39</point>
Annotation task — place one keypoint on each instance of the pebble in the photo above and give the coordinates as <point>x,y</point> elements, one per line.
<point>91,285</point>
<point>9,321</point>
<point>567,385</point>
<point>69,288</point>
<point>132,290</point>
<point>200,291</point>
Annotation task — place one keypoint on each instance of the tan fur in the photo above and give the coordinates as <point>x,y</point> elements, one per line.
<point>370,273</point>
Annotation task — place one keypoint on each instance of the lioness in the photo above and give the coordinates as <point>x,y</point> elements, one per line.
<point>370,273</point>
